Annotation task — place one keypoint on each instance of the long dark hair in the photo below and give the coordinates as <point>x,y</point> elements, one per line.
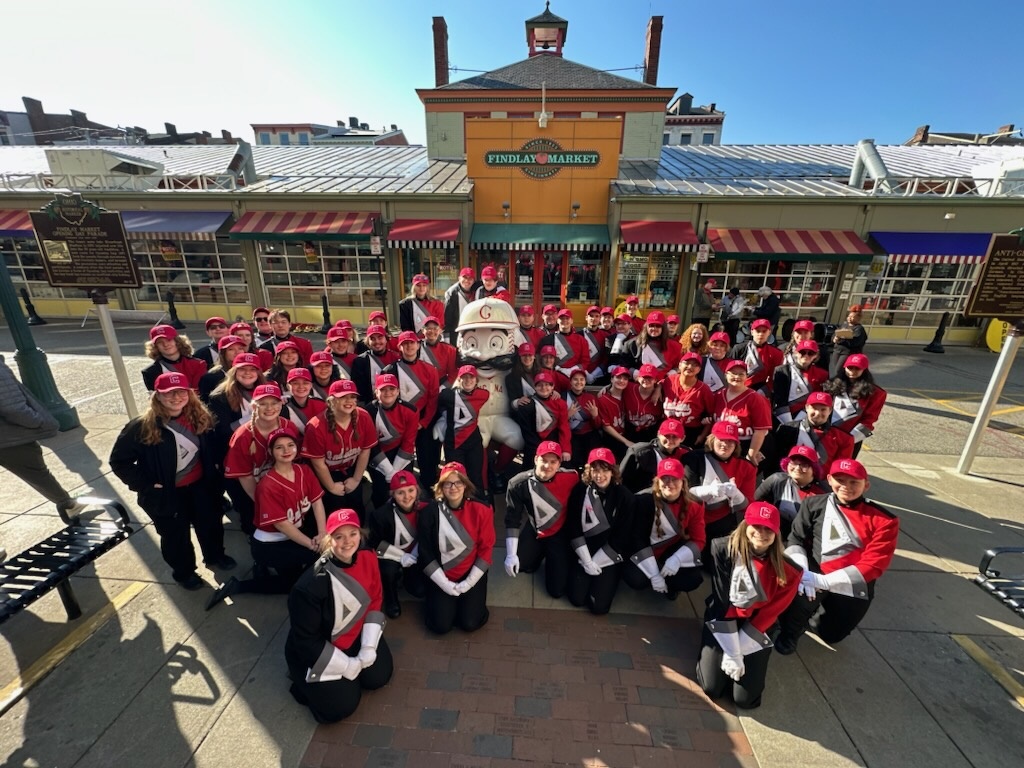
<point>843,385</point>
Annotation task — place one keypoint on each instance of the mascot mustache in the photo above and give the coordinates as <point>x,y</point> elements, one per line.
<point>499,363</point>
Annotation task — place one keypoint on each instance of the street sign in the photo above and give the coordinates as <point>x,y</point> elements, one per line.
<point>84,246</point>
<point>997,292</point>
<point>703,253</point>
<point>375,249</point>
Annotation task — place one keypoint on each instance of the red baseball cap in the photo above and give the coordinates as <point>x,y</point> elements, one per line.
<point>647,371</point>
<point>804,453</point>
<point>406,336</point>
<point>215,321</point>
<point>857,361</point>
<point>763,513</point>
<point>672,319</point>
<point>420,280</point>
<point>730,364</point>
<point>377,313</point>
<point>342,388</point>
<point>467,370</point>
<point>488,273</point>
<point>337,333</point>
<point>169,382</point>
<point>467,272</point>
<point>321,357</point>
<point>452,466</point>
<point>808,345</point>
<point>548,350</point>
<point>594,310</point>
<point>236,327</point>
<point>342,517</point>
<point>402,479</point>
<point>819,398</point>
<point>284,346</point>
<point>624,318</point>
<point>343,323</point>
<point>277,434</point>
<point>544,376</point>
<point>632,300</point>
<point>711,281</point>
<point>385,380</point>
<point>803,325</point>
<point>375,330</point>
<point>725,430</point>
<point>526,309</point>
<point>526,349</point>
<point>672,428</point>
<point>430,319</point>
<point>549,446</point>
<point>162,332</point>
<point>619,370</point>
<point>760,323</point>
<point>246,358</point>
<point>856,308</point>
<point>549,309</point>
<point>565,313</point>
<point>602,454</point>
<point>227,341</point>
<point>266,390</point>
<point>299,373</point>
<point>671,468</point>
<point>720,336</point>
<point>850,467</point>
<point>577,371</point>
<point>691,357</point>
<point>656,318</point>
<point>607,311</point>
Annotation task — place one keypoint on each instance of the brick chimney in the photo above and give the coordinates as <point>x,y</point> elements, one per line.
<point>440,51</point>
<point>920,136</point>
<point>652,50</point>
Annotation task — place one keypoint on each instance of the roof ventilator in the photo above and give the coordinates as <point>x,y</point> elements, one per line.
<point>868,161</point>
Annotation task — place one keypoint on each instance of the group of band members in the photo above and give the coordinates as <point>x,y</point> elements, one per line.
<point>653,456</point>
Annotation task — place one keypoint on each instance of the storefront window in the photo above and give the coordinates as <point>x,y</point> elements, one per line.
<point>653,277</point>
<point>804,287</point>
<point>199,272</point>
<point>582,284</point>
<point>297,274</point>
<point>25,266</point>
<point>440,264</point>
<point>913,294</point>
<point>496,259</point>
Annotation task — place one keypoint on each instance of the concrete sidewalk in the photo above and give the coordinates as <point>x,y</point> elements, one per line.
<point>165,683</point>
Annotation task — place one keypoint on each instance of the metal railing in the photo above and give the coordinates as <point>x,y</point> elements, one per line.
<point>118,182</point>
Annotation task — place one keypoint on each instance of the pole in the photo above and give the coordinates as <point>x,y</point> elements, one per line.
<point>30,309</point>
<point>99,298</point>
<point>988,403</point>
<point>35,371</point>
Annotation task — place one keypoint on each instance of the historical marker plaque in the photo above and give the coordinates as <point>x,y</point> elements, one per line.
<point>998,293</point>
<point>84,246</point>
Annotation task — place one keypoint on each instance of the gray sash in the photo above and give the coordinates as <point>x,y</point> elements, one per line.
<point>838,537</point>
<point>745,588</point>
<point>463,414</point>
<point>409,384</point>
<point>351,600</point>
<point>186,445</point>
<point>546,508</point>
<point>453,540</point>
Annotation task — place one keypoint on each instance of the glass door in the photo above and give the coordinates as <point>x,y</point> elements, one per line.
<point>551,268</point>
<point>524,278</point>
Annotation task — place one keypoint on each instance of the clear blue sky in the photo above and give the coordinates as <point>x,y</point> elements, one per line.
<point>793,71</point>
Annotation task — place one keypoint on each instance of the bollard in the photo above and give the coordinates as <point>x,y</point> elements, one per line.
<point>30,309</point>
<point>327,315</point>
<point>172,312</point>
<point>936,345</point>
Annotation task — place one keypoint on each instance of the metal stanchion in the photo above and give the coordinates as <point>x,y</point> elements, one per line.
<point>30,310</point>
<point>936,345</point>
<point>172,312</point>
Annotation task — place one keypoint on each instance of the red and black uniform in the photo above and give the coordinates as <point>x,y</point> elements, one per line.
<point>340,451</point>
<point>584,428</point>
<point>761,363</point>
<point>597,350</point>
<point>850,546</point>
<point>190,367</point>
<point>603,521</point>
<point>344,363</point>
<point>640,464</point>
<point>643,415</point>
<point>455,300</point>
<point>829,442</point>
<point>314,660</point>
<point>749,411</point>
<point>857,416</point>
<point>456,540</point>
<point>712,373</point>
<point>396,444</point>
<point>247,456</point>
<point>721,513</point>
<point>413,312</point>
<point>745,603</point>
<point>392,536</point>
<point>661,529</point>
<point>419,386</point>
<point>790,388</point>
<point>365,369</point>
<point>444,358</point>
<point>535,514</point>
<point>663,354</point>
<point>305,348</point>
<point>570,352</point>
<point>533,335</point>
<point>691,405</point>
<point>299,415</point>
<point>460,410</point>
<point>543,419</point>
<point>782,491</point>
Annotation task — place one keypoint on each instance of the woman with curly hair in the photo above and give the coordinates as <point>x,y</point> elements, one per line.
<point>653,347</point>
<point>857,399</point>
<point>695,338</point>
<point>166,457</point>
<point>171,352</point>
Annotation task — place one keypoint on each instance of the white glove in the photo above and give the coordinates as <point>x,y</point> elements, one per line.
<point>385,467</point>
<point>587,562</point>
<point>682,556</point>
<point>658,583</point>
<point>444,583</point>
<point>511,558</point>
<point>440,428</point>
<point>474,575</point>
<point>620,343</point>
<point>734,494</point>
<point>733,667</point>
<point>353,667</point>
<point>409,558</point>
<point>370,639</point>
<point>594,375</point>
<point>811,583</point>
<point>714,491</point>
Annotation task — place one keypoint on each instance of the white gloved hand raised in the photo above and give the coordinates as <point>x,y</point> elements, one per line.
<point>733,666</point>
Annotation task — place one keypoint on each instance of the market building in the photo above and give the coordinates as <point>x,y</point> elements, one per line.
<point>555,173</point>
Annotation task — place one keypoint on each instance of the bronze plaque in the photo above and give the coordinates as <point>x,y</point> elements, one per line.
<point>998,291</point>
<point>84,246</point>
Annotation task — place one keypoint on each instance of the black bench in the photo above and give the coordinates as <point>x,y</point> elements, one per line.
<point>27,576</point>
<point>1007,589</point>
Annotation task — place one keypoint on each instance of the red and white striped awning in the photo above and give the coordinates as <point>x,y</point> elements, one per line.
<point>659,236</point>
<point>15,224</point>
<point>931,258</point>
<point>304,225</point>
<point>424,233</point>
<point>795,243</point>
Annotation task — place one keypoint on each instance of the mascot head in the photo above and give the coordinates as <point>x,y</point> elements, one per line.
<point>485,334</point>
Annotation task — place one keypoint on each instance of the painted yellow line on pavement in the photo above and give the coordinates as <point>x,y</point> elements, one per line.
<point>941,403</point>
<point>1004,411</point>
<point>22,684</point>
<point>990,665</point>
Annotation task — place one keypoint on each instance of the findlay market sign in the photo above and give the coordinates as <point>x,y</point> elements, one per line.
<point>542,158</point>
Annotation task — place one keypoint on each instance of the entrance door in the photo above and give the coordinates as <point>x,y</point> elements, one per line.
<point>537,278</point>
<point>523,268</point>
<point>551,268</point>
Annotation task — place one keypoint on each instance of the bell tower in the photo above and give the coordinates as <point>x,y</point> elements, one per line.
<point>546,33</point>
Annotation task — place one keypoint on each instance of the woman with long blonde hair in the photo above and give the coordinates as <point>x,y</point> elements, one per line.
<point>166,456</point>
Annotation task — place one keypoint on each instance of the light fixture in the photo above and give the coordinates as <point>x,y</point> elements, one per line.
<point>269,250</point>
<point>949,216</point>
<point>506,207</point>
<point>575,210</point>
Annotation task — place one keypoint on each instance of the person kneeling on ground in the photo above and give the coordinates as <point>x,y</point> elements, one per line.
<point>334,656</point>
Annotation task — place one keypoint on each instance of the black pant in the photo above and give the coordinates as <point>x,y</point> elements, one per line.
<point>471,455</point>
<point>392,575</point>
<point>194,507</point>
<point>685,579</point>
<point>243,504</point>
<point>26,461</point>
<point>553,551</point>
<point>277,565</point>
<point>831,617</point>
<point>715,683</point>
<point>353,500</point>
<point>716,530</point>
<point>428,456</point>
<point>594,592</point>
<point>337,699</point>
<point>582,444</point>
<point>468,612</point>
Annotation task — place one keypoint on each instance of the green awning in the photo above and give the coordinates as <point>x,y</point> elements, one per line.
<point>539,237</point>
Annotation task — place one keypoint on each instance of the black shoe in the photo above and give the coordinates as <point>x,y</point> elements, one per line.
<point>392,609</point>
<point>785,644</point>
<point>224,563</point>
<point>191,583</point>
<point>226,589</point>
<point>672,594</point>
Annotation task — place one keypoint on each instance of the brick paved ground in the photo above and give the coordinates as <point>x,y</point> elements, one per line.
<point>539,687</point>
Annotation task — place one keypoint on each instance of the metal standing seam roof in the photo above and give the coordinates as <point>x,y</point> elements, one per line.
<point>555,72</point>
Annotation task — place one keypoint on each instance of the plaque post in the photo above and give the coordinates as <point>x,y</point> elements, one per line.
<point>99,298</point>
